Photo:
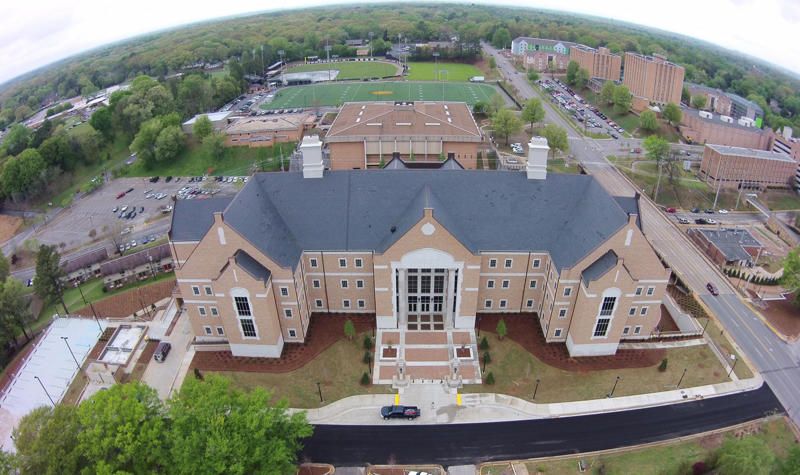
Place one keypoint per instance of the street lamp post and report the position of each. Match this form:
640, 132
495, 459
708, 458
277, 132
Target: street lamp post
616, 381
66, 342
91, 305
536, 388
735, 359
681, 380
319, 390
45, 390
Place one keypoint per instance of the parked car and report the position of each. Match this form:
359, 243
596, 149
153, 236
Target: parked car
712, 288
115, 209
162, 350
701, 221
683, 220
709, 211
722, 211
129, 190
670, 210
154, 179
695, 210
394, 412
121, 195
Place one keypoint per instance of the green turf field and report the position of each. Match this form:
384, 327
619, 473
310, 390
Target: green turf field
335, 94
455, 71
351, 69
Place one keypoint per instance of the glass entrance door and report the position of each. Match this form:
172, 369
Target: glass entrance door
426, 290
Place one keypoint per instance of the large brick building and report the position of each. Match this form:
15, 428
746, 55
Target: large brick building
600, 62
542, 54
747, 168
652, 80
364, 134
266, 131
727, 103
703, 127
425, 251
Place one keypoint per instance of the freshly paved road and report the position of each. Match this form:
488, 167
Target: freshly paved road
775, 359
454, 444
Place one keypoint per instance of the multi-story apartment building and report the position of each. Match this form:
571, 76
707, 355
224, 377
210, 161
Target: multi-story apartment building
652, 80
600, 62
542, 54
747, 168
703, 127
425, 251
727, 103
364, 134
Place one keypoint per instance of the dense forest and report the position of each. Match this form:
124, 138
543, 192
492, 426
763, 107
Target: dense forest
257, 39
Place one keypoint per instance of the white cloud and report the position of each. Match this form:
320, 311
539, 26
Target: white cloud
40, 32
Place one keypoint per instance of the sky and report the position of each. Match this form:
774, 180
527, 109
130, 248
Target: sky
37, 33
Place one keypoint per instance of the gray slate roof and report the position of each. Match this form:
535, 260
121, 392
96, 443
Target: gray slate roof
630, 204
731, 242
191, 219
598, 268
283, 214
251, 266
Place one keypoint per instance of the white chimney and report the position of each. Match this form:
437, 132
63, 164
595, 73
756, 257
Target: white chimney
537, 158
311, 150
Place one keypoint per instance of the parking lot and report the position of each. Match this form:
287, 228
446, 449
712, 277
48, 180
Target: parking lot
582, 112
100, 214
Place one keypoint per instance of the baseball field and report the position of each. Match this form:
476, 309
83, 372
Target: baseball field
335, 94
351, 69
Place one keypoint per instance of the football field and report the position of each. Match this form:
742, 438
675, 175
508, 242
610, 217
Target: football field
446, 71
336, 94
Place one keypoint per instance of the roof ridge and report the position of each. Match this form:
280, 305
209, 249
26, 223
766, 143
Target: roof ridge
354, 124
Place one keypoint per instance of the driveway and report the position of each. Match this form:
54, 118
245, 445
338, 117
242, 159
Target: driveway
163, 376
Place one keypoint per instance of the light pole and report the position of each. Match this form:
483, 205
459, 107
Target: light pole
616, 381
705, 326
66, 342
91, 305
681, 380
436, 65
536, 388
319, 390
735, 359
45, 390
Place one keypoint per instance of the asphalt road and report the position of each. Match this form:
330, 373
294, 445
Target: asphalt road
775, 359
456, 444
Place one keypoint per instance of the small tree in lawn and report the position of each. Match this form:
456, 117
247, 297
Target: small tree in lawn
533, 111
663, 366
506, 123
367, 342
672, 113
349, 329
484, 345
501, 329
365, 379
489, 378
648, 121
367, 357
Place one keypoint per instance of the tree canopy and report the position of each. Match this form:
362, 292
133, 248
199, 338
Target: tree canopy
791, 274
672, 113
556, 138
748, 455
533, 111
622, 99
506, 123
648, 121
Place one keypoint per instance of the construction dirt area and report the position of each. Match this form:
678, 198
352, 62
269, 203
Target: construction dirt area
9, 225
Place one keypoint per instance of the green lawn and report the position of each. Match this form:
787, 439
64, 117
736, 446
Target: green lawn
338, 93
351, 69
558, 166
454, 71
668, 458
629, 121
516, 370
194, 160
93, 292
338, 369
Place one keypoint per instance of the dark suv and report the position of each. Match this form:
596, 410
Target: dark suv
408, 412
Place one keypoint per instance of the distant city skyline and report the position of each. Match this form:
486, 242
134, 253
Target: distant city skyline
29, 40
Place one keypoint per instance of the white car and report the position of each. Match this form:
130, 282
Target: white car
723, 211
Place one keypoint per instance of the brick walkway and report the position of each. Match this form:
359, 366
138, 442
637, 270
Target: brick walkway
524, 329
325, 330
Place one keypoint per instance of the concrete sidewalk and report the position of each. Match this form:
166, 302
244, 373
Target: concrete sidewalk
440, 407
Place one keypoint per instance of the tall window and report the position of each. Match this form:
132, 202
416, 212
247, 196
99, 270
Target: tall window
601, 327
243, 306
492, 263
248, 328
359, 262
508, 263
608, 306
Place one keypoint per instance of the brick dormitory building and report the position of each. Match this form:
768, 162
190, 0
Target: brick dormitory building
424, 251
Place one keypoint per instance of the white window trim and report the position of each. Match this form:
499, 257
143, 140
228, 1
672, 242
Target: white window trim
284, 291
346, 303
505, 284
361, 303
287, 313
239, 292
359, 262
312, 262
290, 331
315, 283
220, 330
508, 263
208, 330
567, 291
343, 283
562, 313
643, 311
535, 283
201, 310
632, 311
651, 291
557, 332
637, 330
214, 311
503, 303
318, 303
360, 283
493, 263
487, 303
490, 283
342, 259
196, 290
536, 263
529, 303
208, 290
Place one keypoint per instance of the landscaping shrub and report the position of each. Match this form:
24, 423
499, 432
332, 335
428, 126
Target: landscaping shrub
365, 380
367, 357
487, 358
489, 378
349, 329
663, 366
501, 329
484, 345
367, 342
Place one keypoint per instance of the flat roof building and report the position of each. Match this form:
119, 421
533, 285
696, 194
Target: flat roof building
652, 80
524, 44
746, 168
265, 131
600, 62
425, 252
219, 120
707, 127
727, 246
365, 134
726, 103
